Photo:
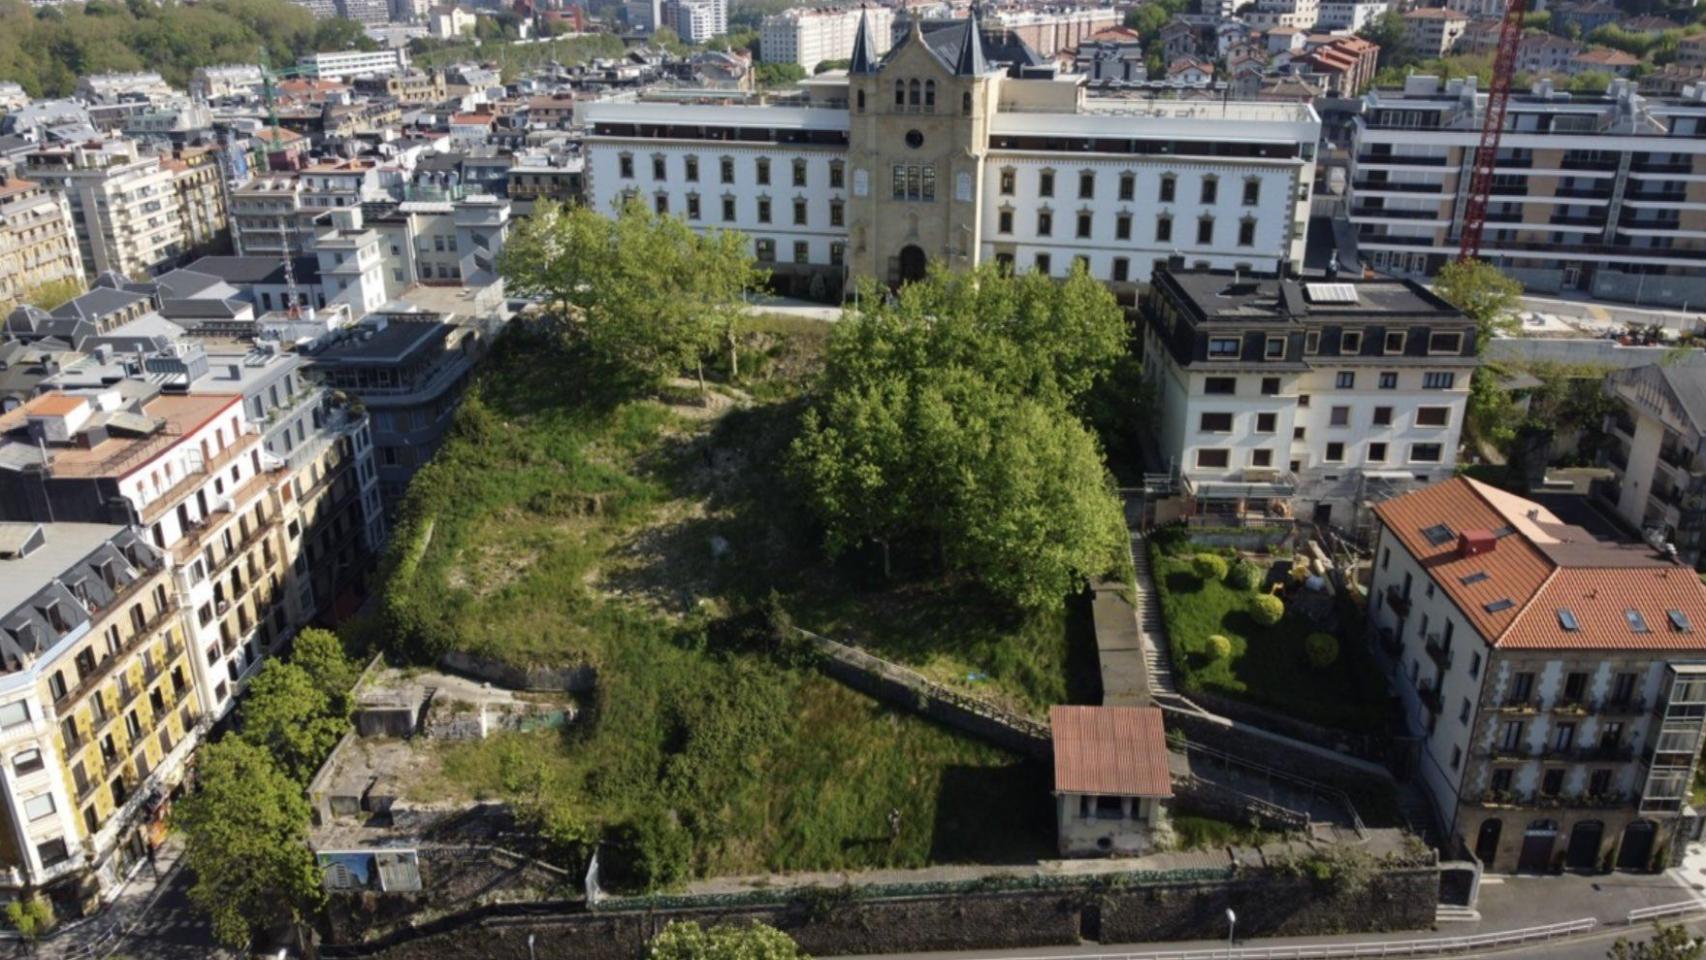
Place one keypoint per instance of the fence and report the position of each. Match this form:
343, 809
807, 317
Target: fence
1433, 946
1663, 911
1316, 788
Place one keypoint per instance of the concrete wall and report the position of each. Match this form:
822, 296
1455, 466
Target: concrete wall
510, 676
1268, 904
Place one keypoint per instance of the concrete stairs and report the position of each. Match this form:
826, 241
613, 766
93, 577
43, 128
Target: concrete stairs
1452, 913
1156, 659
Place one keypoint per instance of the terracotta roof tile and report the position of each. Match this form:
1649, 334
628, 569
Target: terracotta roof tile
1110, 751
1542, 565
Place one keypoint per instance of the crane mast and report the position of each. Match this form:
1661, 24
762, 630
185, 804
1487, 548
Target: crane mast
1492, 129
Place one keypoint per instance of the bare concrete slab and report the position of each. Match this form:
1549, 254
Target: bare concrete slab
1119, 646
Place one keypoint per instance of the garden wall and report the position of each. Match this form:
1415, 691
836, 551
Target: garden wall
452, 877
1302, 759
1371, 748
897, 685
1267, 905
512, 677
1241, 538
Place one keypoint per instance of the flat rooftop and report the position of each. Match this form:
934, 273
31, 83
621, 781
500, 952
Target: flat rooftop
120, 456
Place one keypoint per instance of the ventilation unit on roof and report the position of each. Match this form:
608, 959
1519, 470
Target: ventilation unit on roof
1473, 543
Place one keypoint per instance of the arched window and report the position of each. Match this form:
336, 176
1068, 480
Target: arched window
930, 95
900, 93
861, 101
912, 97
965, 103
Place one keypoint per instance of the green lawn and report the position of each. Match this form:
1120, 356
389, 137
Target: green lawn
553, 528
1267, 666
1193, 832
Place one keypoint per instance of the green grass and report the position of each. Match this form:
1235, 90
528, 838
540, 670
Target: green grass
1267, 666
556, 527
1193, 832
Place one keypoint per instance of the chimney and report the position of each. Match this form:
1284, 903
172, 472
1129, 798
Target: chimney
1473, 543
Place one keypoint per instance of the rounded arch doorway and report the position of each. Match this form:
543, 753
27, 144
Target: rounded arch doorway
913, 263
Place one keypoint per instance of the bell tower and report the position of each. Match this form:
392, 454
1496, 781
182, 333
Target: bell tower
919, 132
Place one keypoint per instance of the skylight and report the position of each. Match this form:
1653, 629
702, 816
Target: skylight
1503, 603
1475, 577
1567, 620
1637, 622
1679, 621
1439, 534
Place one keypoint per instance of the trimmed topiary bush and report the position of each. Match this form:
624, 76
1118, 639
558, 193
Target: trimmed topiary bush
1322, 649
1219, 647
1208, 566
1266, 609
1244, 575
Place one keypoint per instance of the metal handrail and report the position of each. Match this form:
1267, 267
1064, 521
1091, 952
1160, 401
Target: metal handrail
1389, 948
1640, 914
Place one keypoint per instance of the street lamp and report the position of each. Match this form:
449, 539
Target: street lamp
1231, 930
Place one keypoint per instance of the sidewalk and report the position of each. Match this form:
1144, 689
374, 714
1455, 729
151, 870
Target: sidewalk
96, 937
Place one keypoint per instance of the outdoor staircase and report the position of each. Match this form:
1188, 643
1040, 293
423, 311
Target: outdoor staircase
1156, 659
1453, 913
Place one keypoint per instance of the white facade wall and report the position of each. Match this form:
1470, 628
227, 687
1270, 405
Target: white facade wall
606, 187
38, 732
1272, 214
809, 37
1187, 402
1403, 433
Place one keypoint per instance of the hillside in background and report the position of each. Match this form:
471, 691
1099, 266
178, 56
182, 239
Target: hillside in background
47, 50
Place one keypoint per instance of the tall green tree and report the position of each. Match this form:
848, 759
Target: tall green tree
321, 655
946, 425
686, 940
246, 842
643, 292
1490, 299
290, 716
1387, 32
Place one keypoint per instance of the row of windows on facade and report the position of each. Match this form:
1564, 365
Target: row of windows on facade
1445, 343
1342, 380
1340, 416
763, 208
1220, 458
1208, 188
1085, 227
726, 170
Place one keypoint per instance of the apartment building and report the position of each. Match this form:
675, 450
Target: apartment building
340, 183
957, 148
1433, 31
1603, 195
442, 242
1658, 482
269, 218
1049, 31
414, 87
351, 64
198, 185
98, 711
102, 88
697, 21
1554, 682
1288, 14
226, 80
37, 245
1352, 15
1281, 398
808, 36
123, 203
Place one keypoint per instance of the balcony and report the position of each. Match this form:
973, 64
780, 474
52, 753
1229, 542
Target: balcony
1677, 456
1438, 652
1626, 707
1396, 214
1519, 704
1563, 221
1583, 193
104, 669
1571, 707
1586, 163
1397, 601
1387, 158
1393, 186
1390, 642
1433, 698
1605, 753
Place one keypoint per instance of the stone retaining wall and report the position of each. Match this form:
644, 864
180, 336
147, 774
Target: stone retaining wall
553, 679
1268, 904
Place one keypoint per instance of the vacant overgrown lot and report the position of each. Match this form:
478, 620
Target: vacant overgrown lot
639, 537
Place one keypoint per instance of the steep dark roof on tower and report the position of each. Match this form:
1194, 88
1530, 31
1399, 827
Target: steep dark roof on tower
970, 62
862, 62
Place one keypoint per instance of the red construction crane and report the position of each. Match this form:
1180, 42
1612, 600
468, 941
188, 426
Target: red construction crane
1492, 128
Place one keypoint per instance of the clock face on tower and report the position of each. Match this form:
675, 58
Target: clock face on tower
914, 139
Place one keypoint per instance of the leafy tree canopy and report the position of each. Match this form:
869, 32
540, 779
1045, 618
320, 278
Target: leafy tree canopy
246, 841
290, 716
1672, 942
1483, 293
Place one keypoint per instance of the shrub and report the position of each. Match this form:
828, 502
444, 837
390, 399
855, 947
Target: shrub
1244, 575
1172, 539
1208, 566
31, 918
1218, 647
1266, 609
1322, 649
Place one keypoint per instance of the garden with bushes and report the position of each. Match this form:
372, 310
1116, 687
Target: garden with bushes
1233, 632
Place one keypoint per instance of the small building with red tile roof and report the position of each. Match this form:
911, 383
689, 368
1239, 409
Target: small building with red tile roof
1111, 775
1552, 673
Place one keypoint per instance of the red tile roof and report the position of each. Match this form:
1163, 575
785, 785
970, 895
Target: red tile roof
1541, 565
1110, 751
